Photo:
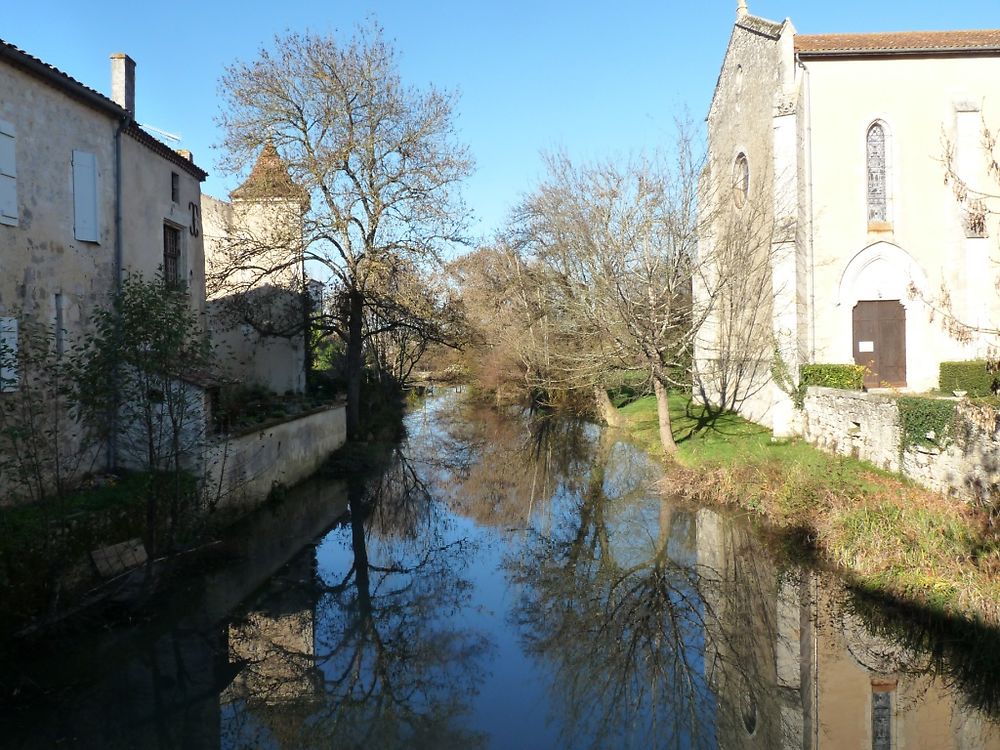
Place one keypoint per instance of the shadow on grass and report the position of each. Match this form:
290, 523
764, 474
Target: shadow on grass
705, 419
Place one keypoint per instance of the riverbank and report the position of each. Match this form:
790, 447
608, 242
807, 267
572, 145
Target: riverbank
886, 534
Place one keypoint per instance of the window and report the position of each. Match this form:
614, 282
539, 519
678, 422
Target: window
877, 195
175, 187
171, 255
8, 354
8, 175
741, 180
882, 720
85, 225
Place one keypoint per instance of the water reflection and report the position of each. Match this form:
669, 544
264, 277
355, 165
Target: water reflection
663, 626
367, 659
513, 582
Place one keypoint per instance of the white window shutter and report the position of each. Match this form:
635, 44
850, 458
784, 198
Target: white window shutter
85, 196
8, 174
8, 354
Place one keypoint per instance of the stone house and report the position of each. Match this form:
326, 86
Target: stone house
824, 196
86, 196
258, 289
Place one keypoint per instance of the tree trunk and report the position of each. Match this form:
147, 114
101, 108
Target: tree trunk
663, 416
666, 524
354, 367
606, 410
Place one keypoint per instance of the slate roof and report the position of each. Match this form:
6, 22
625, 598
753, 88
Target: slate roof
95, 99
269, 178
899, 42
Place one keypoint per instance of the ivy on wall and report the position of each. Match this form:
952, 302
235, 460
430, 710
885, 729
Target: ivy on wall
926, 422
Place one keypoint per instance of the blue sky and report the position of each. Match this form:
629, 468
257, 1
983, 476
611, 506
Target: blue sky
593, 78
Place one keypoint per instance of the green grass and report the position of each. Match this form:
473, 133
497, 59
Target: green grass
43, 545
886, 533
116, 491
706, 439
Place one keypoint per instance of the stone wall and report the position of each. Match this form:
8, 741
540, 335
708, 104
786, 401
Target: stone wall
853, 423
242, 471
866, 426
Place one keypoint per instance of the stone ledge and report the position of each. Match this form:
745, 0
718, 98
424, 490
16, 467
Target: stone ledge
819, 390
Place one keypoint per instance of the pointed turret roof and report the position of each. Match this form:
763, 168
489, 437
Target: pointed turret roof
269, 178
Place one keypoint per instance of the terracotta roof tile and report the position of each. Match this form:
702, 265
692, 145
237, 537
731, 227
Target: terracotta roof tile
269, 178
899, 41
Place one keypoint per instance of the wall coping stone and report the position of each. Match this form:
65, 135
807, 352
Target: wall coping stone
819, 390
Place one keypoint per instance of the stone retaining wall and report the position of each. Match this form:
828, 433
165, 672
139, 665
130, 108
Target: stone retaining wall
866, 426
853, 423
242, 471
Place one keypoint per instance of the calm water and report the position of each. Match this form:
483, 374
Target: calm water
507, 583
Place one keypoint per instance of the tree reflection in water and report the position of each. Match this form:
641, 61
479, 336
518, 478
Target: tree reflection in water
390, 665
603, 601
530, 560
652, 623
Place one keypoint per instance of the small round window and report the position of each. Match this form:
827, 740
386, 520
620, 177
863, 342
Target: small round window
741, 180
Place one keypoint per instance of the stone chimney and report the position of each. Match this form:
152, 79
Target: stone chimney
123, 81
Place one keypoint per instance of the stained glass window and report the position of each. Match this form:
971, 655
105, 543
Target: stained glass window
881, 721
876, 174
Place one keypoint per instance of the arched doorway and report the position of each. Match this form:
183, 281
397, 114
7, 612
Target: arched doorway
880, 342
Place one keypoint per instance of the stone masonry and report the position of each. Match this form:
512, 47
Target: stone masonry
866, 426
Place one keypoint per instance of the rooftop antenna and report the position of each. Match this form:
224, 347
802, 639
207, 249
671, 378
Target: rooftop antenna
163, 133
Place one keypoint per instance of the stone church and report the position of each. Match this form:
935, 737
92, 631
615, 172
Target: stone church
835, 224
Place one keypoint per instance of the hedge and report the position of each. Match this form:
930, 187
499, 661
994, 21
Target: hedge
845, 377
971, 376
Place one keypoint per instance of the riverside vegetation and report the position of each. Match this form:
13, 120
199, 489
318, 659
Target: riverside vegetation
884, 533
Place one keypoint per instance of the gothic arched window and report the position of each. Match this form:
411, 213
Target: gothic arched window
876, 173
741, 180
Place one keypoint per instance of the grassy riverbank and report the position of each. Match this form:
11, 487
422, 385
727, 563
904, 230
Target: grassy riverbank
887, 534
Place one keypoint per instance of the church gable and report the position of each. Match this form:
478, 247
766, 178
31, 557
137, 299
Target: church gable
753, 49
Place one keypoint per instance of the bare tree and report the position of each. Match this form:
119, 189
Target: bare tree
378, 158
616, 245
737, 353
407, 312
512, 333
978, 195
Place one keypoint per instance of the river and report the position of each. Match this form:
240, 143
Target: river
507, 582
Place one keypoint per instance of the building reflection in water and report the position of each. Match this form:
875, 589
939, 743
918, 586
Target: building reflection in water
273, 647
816, 672
650, 623
351, 649
662, 625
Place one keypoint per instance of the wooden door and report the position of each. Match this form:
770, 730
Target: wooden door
880, 342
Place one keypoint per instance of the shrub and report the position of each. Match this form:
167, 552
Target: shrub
845, 377
971, 376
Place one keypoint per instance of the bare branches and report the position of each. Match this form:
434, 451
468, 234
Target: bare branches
612, 249
976, 187
378, 159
